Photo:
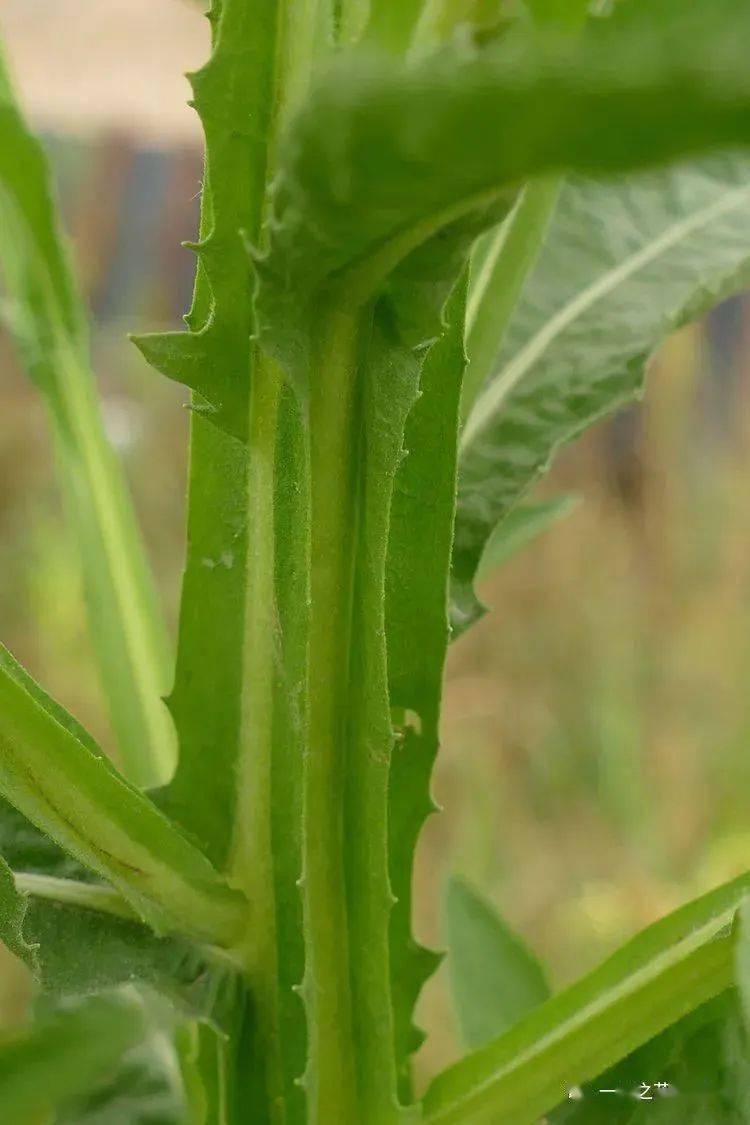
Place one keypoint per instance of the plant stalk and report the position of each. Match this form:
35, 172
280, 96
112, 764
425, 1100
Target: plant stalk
252, 865
331, 1085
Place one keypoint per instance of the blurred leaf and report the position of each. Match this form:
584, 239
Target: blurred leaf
520, 527
146, 1090
383, 157
657, 978
47, 319
63, 1055
495, 979
67, 788
625, 263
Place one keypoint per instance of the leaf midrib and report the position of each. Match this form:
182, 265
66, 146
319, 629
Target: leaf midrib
492, 398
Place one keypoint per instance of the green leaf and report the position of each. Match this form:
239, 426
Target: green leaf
664, 973
47, 319
519, 528
66, 787
500, 265
234, 97
418, 566
495, 979
146, 1089
382, 157
62, 1056
625, 263
694, 1073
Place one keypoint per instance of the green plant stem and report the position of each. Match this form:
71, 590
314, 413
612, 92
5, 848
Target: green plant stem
71, 892
509, 256
252, 865
126, 625
331, 1076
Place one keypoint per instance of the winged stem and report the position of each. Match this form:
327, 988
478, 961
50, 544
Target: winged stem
331, 1092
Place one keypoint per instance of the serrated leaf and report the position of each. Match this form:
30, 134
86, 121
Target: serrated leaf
382, 157
234, 97
658, 977
47, 319
63, 1055
495, 979
66, 787
625, 263
419, 548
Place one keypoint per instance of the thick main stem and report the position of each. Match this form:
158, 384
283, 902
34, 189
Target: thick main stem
331, 1077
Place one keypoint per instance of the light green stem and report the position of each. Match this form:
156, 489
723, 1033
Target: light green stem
497, 283
331, 1074
252, 866
71, 892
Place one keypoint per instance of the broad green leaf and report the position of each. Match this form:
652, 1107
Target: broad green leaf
520, 527
625, 263
52, 909
64, 786
495, 979
419, 547
47, 320
382, 157
664, 973
64, 1055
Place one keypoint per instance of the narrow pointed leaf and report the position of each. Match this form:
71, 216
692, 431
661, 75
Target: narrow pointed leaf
654, 980
495, 979
70, 791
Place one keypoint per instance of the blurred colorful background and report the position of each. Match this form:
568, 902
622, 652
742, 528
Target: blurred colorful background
595, 768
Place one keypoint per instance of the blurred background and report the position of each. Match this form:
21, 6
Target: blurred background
594, 771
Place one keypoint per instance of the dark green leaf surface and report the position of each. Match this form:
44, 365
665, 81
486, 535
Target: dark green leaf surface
625, 263
663, 974
495, 979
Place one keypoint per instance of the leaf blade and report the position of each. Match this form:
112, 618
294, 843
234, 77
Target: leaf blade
654, 980
651, 252
495, 979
